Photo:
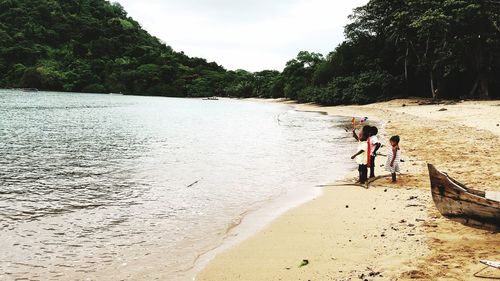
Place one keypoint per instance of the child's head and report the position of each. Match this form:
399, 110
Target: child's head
365, 133
373, 131
394, 140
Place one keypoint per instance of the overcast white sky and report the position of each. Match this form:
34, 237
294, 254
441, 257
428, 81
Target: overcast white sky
252, 35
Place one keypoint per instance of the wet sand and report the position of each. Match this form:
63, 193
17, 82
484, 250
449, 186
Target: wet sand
389, 231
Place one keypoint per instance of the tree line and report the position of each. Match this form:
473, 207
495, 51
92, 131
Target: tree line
445, 49
393, 48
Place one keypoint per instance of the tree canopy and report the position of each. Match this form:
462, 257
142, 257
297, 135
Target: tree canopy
439, 49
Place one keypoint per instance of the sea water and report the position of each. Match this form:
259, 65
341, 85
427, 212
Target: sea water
113, 187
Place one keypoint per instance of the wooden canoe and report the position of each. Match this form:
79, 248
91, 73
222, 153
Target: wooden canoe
460, 203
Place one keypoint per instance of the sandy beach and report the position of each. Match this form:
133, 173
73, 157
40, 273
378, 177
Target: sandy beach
388, 231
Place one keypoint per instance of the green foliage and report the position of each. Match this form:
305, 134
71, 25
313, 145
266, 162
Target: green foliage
446, 49
435, 41
94, 88
93, 46
438, 48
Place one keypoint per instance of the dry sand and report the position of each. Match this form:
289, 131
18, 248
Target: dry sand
389, 231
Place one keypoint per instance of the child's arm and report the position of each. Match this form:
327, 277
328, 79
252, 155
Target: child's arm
377, 146
394, 151
358, 153
354, 135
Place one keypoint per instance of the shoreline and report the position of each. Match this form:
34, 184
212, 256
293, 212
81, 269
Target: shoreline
248, 224
261, 257
259, 217
336, 187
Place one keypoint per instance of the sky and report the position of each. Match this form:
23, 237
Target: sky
253, 34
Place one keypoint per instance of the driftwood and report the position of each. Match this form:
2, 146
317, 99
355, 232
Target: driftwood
194, 183
341, 184
460, 203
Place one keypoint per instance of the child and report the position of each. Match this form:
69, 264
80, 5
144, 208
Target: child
392, 164
361, 157
366, 130
375, 145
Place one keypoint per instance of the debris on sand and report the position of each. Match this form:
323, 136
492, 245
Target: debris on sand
304, 262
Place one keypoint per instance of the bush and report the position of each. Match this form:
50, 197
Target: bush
309, 94
94, 88
31, 78
371, 86
164, 90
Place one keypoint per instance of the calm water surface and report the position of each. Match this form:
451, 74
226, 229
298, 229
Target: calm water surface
113, 187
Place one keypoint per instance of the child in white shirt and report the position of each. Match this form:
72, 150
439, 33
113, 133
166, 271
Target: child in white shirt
393, 157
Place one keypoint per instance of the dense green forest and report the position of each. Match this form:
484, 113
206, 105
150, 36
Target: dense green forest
393, 48
92, 46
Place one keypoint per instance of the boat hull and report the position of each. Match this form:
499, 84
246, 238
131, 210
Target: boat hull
457, 202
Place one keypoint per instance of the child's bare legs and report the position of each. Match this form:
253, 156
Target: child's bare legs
393, 177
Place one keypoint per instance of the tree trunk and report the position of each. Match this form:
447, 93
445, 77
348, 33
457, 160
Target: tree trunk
483, 87
433, 91
407, 85
482, 70
406, 64
473, 90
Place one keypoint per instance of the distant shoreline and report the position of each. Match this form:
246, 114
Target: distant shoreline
416, 99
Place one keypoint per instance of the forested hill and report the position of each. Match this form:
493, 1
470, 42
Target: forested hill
393, 48
93, 46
